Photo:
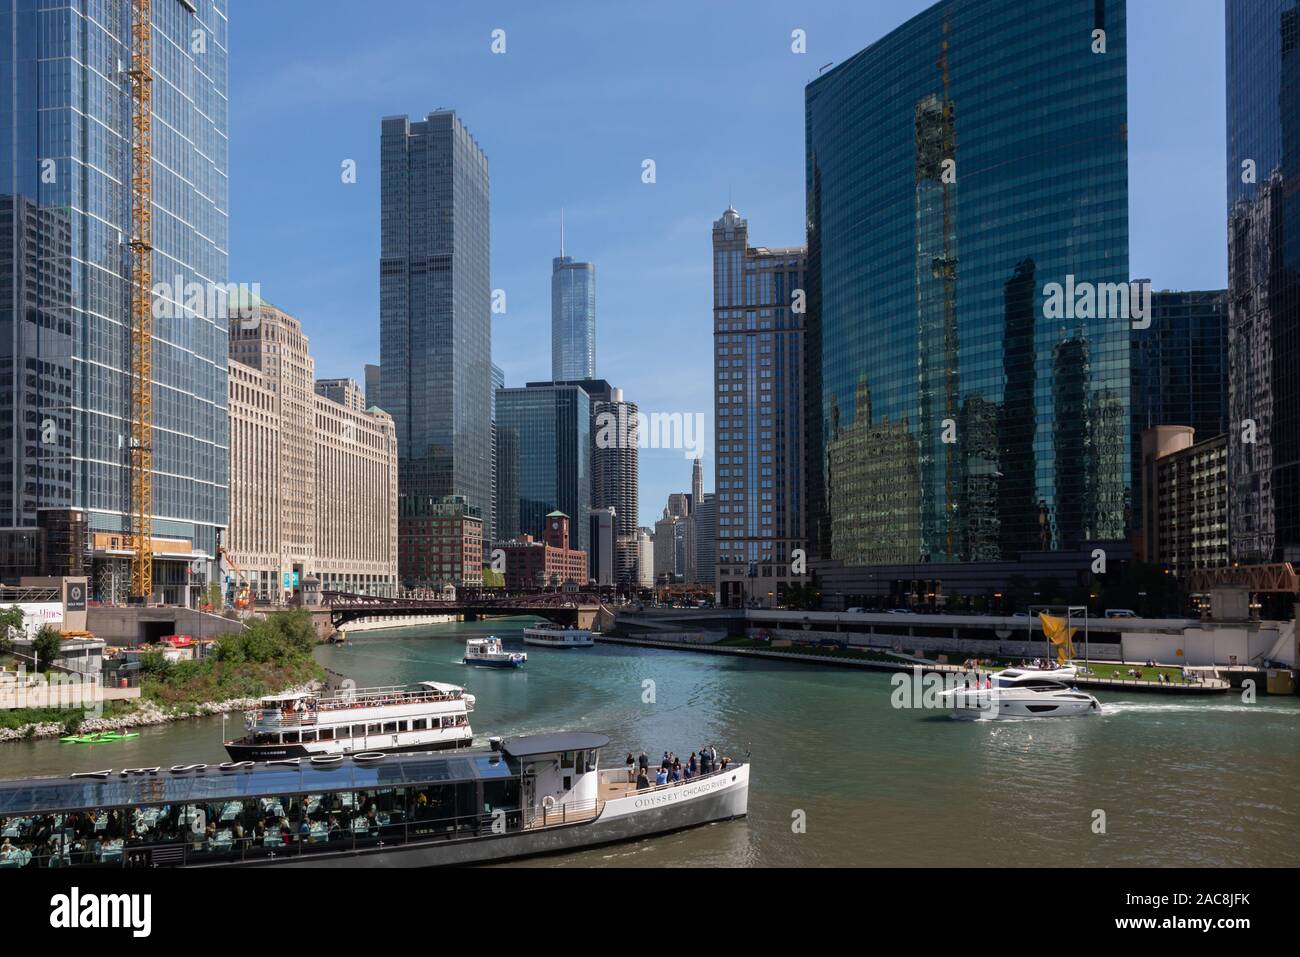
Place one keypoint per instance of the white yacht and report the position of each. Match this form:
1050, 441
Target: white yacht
557, 636
1021, 693
427, 716
489, 653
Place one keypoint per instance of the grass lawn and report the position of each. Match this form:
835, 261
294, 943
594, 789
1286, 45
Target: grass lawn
860, 654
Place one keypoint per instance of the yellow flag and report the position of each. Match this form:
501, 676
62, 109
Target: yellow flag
1060, 635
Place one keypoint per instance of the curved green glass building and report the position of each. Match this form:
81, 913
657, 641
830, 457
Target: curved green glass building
969, 310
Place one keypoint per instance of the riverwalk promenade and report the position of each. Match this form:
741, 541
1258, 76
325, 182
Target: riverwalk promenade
883, 661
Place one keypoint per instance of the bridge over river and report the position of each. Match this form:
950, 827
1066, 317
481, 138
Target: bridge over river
581, 609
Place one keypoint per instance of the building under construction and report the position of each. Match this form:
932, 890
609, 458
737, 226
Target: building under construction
114, 210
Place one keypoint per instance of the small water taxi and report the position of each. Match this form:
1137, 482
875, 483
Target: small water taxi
489, 653
427, 716
517, 797
558, 636
1021, 693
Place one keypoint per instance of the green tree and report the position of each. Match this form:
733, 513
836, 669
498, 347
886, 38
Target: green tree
46, 646
212, 596
11, 626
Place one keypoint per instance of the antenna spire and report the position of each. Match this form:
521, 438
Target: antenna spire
561, 232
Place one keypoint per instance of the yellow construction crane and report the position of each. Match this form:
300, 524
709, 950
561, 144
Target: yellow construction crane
141, 80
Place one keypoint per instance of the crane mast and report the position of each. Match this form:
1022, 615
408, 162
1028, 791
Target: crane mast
141, 81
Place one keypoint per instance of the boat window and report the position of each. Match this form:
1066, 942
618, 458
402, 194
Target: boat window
405, 725
372, 729
390, 727
291, 737
420, 724
327, 734
593, 760
309, 736
380, 815
566, 759
358, 731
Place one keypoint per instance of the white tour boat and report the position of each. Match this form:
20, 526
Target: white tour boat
1022, 693
557, 636
427, 716
489, 653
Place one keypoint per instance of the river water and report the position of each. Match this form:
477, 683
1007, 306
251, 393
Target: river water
840, 777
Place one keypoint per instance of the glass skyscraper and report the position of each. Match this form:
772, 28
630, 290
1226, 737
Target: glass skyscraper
435, 310
544, 463
1179, 369
1263, 100
65, 325
956, 170
758, 338
573, 319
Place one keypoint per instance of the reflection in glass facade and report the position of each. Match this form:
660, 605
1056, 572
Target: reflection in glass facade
544, 449
1179, 368
573, 320
435, 308
65, 308
1263, 99
758, 368
955, 169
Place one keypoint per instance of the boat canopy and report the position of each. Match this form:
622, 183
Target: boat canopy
442, 686
197, 783
287, 696
533, 745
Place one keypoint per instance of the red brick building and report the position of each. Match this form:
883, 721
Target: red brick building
440, 542
547, 563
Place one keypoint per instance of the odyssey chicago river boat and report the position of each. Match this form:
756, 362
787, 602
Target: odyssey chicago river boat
424, 717
536, 794
557, 636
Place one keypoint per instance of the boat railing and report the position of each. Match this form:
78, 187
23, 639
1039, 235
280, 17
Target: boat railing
273, 717
564, 812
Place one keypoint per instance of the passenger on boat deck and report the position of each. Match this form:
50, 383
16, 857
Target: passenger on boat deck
631, 768
662, 776
693, 768
677, 771
642, 782
666, 763
644, 762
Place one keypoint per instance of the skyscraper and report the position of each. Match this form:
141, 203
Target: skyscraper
544, 433
435, 309
573, 318
928, 330
1179, 368
1263, 100
65, 225
758, 336
615, 467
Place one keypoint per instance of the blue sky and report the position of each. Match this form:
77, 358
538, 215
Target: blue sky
584, 93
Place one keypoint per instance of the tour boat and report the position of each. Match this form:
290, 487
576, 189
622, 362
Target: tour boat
557, 636
524, 796
488, 653
424, 717
1021, 693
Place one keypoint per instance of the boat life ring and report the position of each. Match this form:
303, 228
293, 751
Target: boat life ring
369, 756
326, 758
548, 801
